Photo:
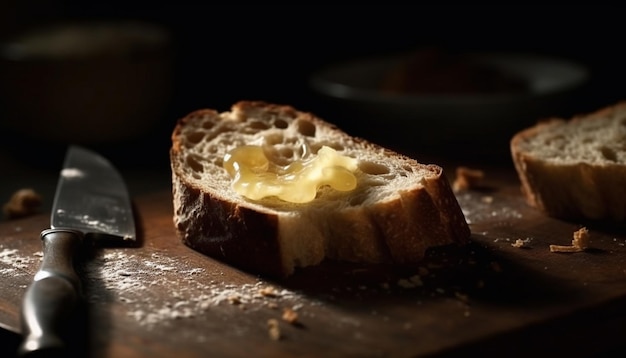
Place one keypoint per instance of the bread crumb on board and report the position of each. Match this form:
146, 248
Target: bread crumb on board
579, 243
23, 202
467, 178
290, 316
273, 325
521, 243
268, 291
273, 329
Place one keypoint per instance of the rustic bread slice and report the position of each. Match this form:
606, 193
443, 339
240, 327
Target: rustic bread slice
576, 168
399, 209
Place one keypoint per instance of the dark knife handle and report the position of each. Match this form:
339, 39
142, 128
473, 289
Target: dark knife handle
53, 296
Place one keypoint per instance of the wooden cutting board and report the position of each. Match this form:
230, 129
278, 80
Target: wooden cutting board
162, 298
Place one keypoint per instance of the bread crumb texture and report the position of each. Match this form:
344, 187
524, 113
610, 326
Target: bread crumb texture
597, 139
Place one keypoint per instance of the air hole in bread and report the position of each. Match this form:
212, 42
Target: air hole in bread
406, 169
258, 125
195, 137
373, 168
194, 164
305, 128
608, 154
286, 152
280, 123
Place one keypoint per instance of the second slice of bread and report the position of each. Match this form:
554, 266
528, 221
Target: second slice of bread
399, 209
575, 168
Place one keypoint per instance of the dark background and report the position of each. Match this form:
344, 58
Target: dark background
225, 52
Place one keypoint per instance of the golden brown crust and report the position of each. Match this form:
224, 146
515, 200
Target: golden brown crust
260, 240
223, 230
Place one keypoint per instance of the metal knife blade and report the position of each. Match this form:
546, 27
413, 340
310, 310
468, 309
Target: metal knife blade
91, 197
91, 202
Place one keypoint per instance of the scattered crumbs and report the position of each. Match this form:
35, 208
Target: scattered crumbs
23, 202
467, 178
234, 300
479, 207
290, 315
521, 243
268, 291
134, 281
15, 261
411, 282
273, 329
580, 242
518, 243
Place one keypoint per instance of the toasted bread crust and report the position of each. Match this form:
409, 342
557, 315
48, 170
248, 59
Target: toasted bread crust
275, 239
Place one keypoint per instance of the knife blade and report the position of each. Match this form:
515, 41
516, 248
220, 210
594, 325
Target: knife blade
91, 203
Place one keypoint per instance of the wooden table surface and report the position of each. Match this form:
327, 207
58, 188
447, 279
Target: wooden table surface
162, 299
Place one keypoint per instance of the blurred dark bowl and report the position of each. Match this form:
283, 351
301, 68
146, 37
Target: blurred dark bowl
475, 101
85, 82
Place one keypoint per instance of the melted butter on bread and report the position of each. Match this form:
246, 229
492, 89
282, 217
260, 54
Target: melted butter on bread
255, 176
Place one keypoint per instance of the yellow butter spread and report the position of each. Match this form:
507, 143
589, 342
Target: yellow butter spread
256, 177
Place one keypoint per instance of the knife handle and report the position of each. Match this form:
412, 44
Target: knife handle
51, 299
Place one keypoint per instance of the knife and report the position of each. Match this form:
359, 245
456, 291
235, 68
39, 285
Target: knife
91, 203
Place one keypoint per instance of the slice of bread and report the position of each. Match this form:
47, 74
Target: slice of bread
575, 168
399, 209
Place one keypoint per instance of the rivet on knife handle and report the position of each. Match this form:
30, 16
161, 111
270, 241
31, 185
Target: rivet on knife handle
51, 299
